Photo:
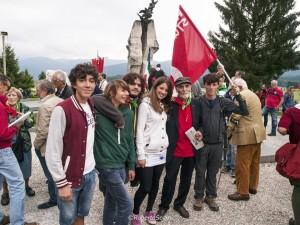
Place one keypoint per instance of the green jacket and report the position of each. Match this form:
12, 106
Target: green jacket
113, 150
28, 123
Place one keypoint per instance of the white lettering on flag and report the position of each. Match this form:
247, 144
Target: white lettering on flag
181, 24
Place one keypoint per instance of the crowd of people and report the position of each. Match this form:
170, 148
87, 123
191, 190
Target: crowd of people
126, 133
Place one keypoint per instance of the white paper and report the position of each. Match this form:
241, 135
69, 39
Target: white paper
190, 133
20, 119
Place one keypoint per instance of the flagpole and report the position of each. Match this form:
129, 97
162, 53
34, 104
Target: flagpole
226, 74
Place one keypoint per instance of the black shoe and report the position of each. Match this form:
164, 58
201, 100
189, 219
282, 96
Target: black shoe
5, 220
160, 214
134, 183
182, 211
46, 205
252, 191
5, 199
291, 221
271, 134
30, 192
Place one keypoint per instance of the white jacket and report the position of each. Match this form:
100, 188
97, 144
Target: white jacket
151, 136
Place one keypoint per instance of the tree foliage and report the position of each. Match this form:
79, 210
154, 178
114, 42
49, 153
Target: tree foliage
19, 79
42, 76
259, 37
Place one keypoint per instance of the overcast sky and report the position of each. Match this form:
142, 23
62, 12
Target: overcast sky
78, 28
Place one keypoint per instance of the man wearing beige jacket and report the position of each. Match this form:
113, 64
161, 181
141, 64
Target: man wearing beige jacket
248, 136
45, 91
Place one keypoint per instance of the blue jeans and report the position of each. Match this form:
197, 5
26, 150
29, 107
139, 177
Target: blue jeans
51, 184
230, 156
9, 168
117, 203
273, 113
80, 204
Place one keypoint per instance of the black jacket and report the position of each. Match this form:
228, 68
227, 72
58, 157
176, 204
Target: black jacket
66, 93
172, 124
213, 116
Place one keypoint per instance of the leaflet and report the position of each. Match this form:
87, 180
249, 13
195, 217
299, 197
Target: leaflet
190, 133
20, 119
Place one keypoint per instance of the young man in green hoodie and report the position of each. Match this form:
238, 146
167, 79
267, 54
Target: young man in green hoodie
113, 148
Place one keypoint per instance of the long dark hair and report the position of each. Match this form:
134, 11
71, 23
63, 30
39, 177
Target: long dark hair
155, 103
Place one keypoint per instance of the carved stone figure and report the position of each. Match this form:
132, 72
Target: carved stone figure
142, 43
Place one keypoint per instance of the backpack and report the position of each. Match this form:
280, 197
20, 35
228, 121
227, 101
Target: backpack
288, 161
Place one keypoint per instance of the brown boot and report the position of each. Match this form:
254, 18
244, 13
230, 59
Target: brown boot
210, 201
198, 204
32, 223
239, 197
5, 220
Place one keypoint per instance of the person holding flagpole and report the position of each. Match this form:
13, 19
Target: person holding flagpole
209, 158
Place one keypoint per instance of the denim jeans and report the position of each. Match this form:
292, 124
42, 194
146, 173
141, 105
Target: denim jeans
117, 203
1, 216
51, 184
10, 169
230, 156
273, 113
80, 204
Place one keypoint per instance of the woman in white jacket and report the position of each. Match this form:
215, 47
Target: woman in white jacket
152, 142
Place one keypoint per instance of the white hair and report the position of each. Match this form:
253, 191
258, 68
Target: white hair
61, 75
241, 83
274, 82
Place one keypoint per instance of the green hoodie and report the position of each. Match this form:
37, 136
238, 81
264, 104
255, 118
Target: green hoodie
114, 147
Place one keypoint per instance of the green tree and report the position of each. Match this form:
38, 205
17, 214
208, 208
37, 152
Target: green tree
42, 75
259, 37
19, 79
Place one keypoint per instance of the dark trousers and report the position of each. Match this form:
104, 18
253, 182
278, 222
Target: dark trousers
296, 204
149, 184
208, 163
51, 185
172, 168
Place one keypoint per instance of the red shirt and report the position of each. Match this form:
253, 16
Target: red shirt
184, 148
291, 121
273, 98
6, 133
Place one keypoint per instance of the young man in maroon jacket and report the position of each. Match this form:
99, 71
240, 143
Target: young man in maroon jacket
9, 167
69, 149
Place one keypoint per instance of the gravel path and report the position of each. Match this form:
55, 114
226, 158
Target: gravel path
271, 205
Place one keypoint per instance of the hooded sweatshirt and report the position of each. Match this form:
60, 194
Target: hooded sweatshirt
113, 146
6, 133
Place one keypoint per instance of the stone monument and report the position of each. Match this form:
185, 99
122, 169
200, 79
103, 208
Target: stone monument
142, 43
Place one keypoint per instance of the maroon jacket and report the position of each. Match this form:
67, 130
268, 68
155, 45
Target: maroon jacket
6, 133
74, 141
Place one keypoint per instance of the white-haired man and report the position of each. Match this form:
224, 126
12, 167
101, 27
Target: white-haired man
248, 136
59, 81
274, 99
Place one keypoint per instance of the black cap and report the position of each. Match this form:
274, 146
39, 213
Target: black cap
183, 80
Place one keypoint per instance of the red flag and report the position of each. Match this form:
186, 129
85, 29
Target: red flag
99, 64
191, 54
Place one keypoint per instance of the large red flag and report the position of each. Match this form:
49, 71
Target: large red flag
99, 64
191, 54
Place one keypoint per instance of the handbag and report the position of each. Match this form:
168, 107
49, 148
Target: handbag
288, 161
18, 147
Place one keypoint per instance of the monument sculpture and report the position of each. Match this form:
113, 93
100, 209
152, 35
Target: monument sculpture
142, 43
